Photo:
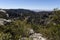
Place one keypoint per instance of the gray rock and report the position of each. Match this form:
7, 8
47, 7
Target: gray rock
4, 21
37, 36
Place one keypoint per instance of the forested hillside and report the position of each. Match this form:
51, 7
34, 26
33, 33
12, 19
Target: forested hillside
46, 23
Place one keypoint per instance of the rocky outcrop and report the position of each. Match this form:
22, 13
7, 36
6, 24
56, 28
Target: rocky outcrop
37, 36
4, 21
3, 17
3, 14
34, 36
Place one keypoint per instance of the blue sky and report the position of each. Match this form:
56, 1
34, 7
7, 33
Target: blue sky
30, 4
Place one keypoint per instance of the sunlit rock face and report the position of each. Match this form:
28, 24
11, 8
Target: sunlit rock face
4, 21
34, 36
37, 36
2, 11
31, 31
3, 14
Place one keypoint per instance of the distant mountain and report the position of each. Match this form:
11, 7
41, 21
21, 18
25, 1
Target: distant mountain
31, 16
